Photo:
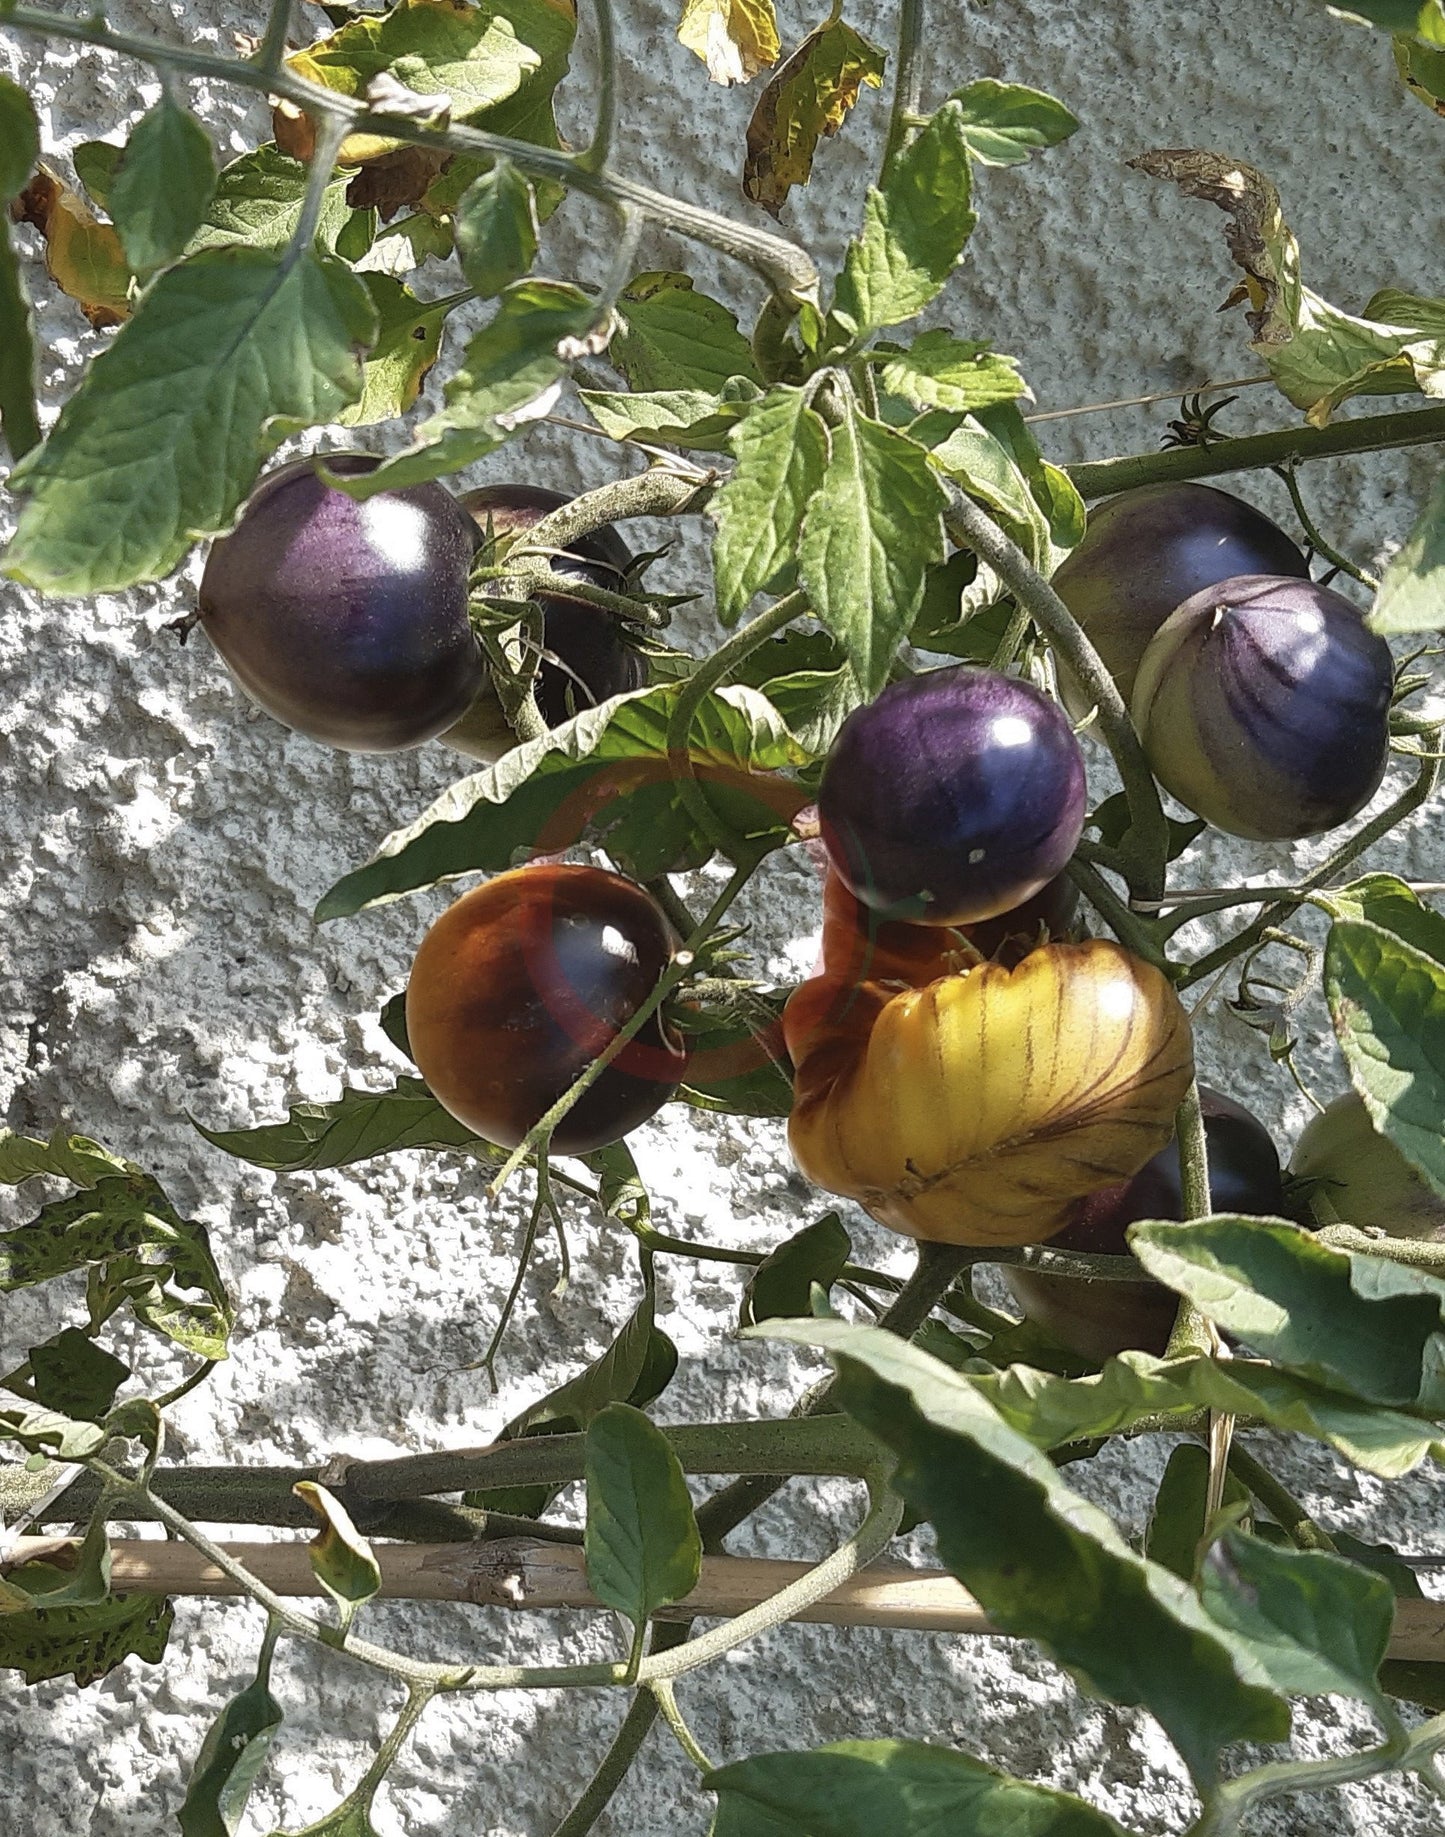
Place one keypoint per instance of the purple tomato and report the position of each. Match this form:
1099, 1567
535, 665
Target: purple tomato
1146, 551
953, 797
347, 621
1263, 703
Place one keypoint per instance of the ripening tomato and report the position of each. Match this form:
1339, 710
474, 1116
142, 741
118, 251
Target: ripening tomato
520, 985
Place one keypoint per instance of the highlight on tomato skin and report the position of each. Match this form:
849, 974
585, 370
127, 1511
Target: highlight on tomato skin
1263, 703
519, 986
954, 796
347, 621
1146, 551
1100, 1318
980, 1107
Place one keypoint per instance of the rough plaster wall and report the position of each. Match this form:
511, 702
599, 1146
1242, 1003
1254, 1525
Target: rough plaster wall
163, 847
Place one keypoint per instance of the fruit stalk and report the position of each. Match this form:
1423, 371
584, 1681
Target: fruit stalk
1147, 843
658, 492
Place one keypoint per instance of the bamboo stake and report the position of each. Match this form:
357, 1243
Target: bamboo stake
522, 1574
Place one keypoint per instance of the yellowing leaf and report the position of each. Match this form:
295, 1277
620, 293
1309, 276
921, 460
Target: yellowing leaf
734, 38
84, 257
807, 97
977, 1108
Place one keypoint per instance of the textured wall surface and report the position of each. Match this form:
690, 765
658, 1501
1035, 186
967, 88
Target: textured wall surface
161, 848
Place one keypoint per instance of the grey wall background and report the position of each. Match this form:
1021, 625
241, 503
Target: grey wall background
161, 847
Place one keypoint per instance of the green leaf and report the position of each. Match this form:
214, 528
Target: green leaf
815, 703
341, 1558
1422, 69
65, 1157
1389, 902
914, 228
73, 1375
226, 355
1412, 594
1112, 819
870, 534
1043, 1562
85, 1643
737, 1069
352, 1818
1177, 1522
606, 772
1055, 1410
231, 1757
1005, 123
781, 1286
48, 1432
642, 1546
897, 1788
138, 1251
940, 371
258, 203
781, 451
636, 1368
508, 374
405, 350
19, 139
673, 337
1387, 1003
673, 417
496, 229
1316, 1624
95, 162
808, 96
160, 191
352, 1127
993, 456
1424, 16
1356, 1323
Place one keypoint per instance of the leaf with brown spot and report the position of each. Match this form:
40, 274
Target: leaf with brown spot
84, 257
806, 97
395, 180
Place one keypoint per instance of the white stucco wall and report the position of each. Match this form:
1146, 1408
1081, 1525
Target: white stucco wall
162, 848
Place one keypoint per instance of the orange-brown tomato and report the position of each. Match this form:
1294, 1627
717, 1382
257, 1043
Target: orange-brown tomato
522, 983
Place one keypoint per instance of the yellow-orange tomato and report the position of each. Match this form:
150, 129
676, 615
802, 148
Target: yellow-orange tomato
522, 983
977, 1108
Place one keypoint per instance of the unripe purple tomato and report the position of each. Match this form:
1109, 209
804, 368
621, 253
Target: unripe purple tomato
954, 796
594, 659
347, 621
1146, 551
1264, 705
1102, 1318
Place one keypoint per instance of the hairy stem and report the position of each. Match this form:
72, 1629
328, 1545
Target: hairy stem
594, 155
1147, 843
659, 492
907, 79
1279, 1502
671, 1714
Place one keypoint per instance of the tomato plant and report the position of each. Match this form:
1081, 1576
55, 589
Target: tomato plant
920, 677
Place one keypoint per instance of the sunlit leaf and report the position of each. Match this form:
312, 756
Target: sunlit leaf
350, 1128
734, 38
781, 451
64, 1157
232, 1755
807, 96
84, 258
341, 1558
405, 350
496, 229
673, 417
673, 337
228, 353
258, 202
940, 371
85, 1643
1412, 594
1005, 123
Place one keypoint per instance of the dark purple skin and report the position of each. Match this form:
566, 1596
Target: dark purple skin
593, 658
348, 622
1100, 1319
954, 796
1145, 551
1264, 705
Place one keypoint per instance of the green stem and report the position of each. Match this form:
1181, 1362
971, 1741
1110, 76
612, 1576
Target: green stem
271, 52
330, 132
1252, 452
1279, 1502
662, 1690
536, 1139
1193, 1157
907, 80
1313, 536
594, 156
788, 269
1409, 800
1132, 931
1147, 843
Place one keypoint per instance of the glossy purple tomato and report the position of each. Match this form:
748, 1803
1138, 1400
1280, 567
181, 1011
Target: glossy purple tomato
347, 621
1145, 551
1263, 704
593, 656
954, 796
1099, 1318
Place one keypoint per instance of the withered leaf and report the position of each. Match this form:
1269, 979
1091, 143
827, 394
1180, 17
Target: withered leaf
807, 97
84, 257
